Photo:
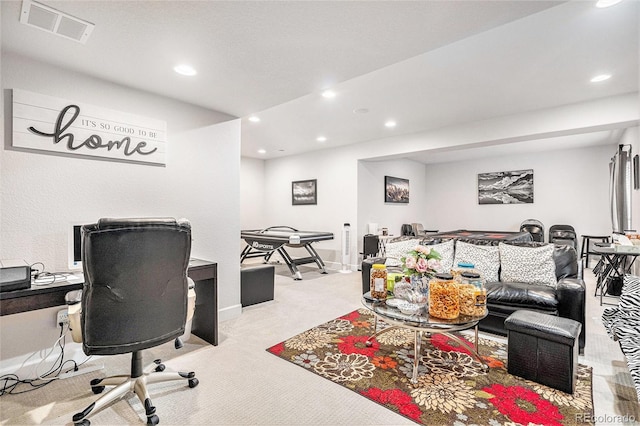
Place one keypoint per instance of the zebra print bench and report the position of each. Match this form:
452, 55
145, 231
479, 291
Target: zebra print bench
622, 323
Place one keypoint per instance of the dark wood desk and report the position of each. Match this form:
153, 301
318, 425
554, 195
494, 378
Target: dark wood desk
202, 272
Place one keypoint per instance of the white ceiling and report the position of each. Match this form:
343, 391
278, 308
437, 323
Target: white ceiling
426, 64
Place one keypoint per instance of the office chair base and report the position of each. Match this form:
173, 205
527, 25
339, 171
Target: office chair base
153, 373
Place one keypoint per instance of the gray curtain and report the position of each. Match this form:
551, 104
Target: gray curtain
620, 189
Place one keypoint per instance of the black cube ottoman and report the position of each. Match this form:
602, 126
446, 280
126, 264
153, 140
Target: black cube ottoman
256, 284
543, 348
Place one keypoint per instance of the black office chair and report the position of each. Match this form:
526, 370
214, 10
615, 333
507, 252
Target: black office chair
406, 229
370, 246
135, 296
563, 234
535, 228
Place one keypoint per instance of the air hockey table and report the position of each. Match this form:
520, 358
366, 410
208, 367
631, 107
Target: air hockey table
265, 242
483, 237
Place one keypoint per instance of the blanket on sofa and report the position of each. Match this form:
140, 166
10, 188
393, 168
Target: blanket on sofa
622, 323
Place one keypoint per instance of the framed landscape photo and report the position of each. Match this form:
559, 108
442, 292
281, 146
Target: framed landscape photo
396, 190
513, 187
304, 192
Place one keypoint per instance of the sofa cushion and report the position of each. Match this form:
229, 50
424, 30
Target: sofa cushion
566, 258
530, 265
395, 250
486, 259
521, 295
446, 251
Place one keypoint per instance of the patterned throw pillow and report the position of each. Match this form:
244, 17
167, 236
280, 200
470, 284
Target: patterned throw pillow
486, 259
394, 251
446, 252
531, 265
630, 297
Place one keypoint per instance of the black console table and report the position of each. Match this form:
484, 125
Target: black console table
202, 272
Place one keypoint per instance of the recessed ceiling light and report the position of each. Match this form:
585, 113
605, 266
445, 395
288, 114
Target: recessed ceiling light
390, 124
607, 3
185, 69
262, 151
601, 77
254, 119
321, 139
328, 94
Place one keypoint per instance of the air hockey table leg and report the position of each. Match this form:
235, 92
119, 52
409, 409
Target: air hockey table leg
288, 260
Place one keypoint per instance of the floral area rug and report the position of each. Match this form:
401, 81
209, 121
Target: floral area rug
452, 388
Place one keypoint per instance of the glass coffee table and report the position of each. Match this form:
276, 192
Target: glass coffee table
421, 323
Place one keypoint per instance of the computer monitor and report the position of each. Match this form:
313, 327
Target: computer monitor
75, 246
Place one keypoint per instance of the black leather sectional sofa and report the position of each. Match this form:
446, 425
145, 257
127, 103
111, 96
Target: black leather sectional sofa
566, 300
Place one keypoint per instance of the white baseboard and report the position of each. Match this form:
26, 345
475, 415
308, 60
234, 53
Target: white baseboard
72, 351
229, 312
335, 266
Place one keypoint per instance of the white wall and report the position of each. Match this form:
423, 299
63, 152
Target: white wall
565, 182
336, 176
252, 194
371, 205
42, 193
570, 187
632, 137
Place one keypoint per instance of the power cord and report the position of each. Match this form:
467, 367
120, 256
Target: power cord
9, 383
39, 276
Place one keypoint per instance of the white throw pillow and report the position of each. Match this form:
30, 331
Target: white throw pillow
446, 252
395, 251
531, 265
485, 259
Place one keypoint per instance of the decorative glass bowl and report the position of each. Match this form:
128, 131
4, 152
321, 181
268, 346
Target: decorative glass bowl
409, 308
413, 302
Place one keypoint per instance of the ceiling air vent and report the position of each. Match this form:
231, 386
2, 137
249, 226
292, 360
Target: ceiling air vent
53, 21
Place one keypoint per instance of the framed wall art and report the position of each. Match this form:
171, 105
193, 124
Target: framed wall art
513, 187
304, 192
396, 190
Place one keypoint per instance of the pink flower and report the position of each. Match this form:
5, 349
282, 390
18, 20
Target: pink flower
434, 264
410, 262
423, 250
421, 265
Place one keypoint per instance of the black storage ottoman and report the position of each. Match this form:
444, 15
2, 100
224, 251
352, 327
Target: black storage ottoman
543, 348
256, 284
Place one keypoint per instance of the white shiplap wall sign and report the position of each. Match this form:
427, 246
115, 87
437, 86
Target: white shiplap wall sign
59, 125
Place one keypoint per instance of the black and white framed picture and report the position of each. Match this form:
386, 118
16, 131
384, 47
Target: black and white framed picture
513, 187
304, 192
396, 190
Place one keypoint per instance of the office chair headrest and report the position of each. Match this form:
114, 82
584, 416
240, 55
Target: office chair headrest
112, 223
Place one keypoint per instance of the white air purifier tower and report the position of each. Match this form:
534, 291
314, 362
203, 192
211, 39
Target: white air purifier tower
346, 248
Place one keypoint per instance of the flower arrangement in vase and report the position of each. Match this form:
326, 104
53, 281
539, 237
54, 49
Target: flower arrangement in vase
418, 266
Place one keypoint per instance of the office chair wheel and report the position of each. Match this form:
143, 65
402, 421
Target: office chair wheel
160, 368
84, 422
193, 382
153, 420
94, 386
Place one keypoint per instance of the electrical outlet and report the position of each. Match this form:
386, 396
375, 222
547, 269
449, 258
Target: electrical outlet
62, 317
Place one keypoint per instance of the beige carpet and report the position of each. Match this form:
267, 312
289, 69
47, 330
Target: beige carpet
242, 384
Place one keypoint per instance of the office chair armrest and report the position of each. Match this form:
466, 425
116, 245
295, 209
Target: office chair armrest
74, 310
191, 305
